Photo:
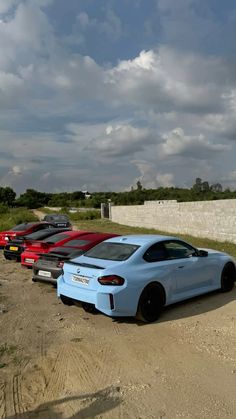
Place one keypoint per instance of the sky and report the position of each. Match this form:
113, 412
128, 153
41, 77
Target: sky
99, 94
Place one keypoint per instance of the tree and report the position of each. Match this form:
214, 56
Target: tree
139, 185
33, 199
216, 187
7, 196
205, 187
197, 187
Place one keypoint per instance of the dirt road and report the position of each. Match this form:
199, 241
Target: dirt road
60, 362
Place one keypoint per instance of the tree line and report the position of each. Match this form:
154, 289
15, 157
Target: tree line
200, 191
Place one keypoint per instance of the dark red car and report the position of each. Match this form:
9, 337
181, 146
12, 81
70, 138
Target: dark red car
22, 230
31, 253
49, 266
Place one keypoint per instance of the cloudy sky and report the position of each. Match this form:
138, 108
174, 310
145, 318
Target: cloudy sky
98, 94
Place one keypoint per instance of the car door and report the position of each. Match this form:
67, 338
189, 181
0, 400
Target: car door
191, 274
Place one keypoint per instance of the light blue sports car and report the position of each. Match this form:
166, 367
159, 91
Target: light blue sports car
137, 275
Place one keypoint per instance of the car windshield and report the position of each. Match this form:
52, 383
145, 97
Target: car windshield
56, 238
112, 251
22, 227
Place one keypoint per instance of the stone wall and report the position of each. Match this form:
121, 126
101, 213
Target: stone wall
211, 219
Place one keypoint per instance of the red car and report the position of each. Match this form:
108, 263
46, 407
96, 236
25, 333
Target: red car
22, 230
33, 252
49, 265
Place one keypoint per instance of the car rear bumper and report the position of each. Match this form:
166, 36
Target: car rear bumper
9, 254
53, 272
29, 260
107, 302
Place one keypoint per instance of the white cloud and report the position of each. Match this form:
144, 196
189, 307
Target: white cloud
16, 170
165, 179
177, 143
170, 79
156, 117
5, 5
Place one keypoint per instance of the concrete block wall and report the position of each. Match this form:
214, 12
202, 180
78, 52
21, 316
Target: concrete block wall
211, 219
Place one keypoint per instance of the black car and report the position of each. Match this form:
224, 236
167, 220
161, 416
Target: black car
49, 266
59, 220
14, 248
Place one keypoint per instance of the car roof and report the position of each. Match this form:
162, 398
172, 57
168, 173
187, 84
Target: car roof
96, 235
141, 239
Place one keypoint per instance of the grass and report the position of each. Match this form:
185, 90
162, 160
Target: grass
108, 226
85, 214
6, 349
15, 216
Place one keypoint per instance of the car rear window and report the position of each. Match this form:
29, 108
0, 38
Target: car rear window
56, 238
57, 218
112, 251
66, 251
22, 227
40, 234
77, 242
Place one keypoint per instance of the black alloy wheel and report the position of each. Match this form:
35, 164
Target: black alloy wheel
151, 303
228, 277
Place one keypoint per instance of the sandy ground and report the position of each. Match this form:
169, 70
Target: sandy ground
60, 362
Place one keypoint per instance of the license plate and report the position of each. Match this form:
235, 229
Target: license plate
61, 225
14, 248
45, 273
27, 260
81, 279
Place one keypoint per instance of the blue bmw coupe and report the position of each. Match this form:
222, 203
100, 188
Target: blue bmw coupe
137, 275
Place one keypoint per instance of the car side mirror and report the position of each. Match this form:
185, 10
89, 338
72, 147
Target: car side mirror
202, 253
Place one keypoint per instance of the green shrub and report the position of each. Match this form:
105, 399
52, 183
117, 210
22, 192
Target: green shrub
85, 215
15, 216
3, 209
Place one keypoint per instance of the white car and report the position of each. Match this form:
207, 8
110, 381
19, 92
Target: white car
138, 275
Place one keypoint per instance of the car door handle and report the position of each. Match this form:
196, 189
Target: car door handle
181, 266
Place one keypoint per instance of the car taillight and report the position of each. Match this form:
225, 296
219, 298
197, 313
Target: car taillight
111, 280
60, 264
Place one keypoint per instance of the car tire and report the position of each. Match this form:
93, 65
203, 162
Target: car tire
34, 279
66, 300
151, 303
228, 277
89, 308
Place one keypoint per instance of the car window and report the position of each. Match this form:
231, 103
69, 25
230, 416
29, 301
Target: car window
56, 217
178, 249
22, 227
112, 251
56, 238
37, 235
155, 253
77, 242
41, 234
